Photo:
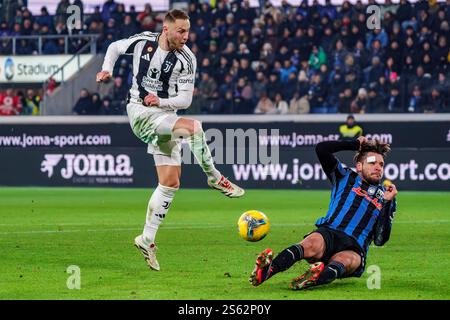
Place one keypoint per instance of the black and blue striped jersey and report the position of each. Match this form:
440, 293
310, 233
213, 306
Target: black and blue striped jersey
356, 207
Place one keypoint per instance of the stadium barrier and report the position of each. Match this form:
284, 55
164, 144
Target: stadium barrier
256, 151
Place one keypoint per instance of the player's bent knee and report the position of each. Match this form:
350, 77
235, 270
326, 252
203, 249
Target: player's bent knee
170, 183
313, 246
197, 127
351, 260
356, 261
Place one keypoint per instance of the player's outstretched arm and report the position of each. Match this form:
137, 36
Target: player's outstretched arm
325, 152
115, 49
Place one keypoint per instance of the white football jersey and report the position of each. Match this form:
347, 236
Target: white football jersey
168, 74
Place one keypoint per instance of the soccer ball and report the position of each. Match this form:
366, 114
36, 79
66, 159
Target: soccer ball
387, 183
253, 225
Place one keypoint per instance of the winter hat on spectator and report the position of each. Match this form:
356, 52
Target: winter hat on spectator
393, 76
362, 92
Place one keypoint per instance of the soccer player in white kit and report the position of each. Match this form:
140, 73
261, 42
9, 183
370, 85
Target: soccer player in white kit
163, 82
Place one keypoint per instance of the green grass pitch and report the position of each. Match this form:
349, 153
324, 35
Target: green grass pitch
43, 231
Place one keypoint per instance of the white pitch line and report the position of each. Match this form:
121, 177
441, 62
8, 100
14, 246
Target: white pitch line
190, 226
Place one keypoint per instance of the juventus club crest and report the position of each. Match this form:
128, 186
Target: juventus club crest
167, 65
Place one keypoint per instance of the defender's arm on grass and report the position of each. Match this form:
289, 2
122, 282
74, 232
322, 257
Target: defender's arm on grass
332, 167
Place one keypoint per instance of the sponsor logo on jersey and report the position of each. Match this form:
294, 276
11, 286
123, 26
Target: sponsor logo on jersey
146, 57
151, 84
184, 81
154, 73
363, 193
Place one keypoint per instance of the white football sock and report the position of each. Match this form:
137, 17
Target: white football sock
157, 209
201, 151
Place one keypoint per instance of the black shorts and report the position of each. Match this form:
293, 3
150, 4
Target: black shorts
337, 241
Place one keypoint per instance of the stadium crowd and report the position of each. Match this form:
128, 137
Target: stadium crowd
275, 60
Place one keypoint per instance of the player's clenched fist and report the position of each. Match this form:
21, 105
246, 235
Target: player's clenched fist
362, 140
102, 76
391, 192
151, 100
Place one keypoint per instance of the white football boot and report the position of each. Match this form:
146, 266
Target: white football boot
226, 187
149, 252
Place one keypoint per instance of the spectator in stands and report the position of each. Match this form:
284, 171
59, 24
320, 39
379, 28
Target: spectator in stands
111, 28
27, 27
434, 103
32, 103
350, 130
339, 53
394, 103
4, 30
5, 47
298, 104
96, 16
359, 105
10, 104
106, 108
61, 46
207, 86
267, 53
17, 30
96, 105
108, 9
128, 28
109, 38
223, 105
24, 47
83, 104
290, 87
442, 84
49, 46
345, 100
317, 94
286, 70
226, 85
376, 101
245, 71
119, 96
441, 54
51, 86
417, 101
281, 106
317, 58
61, 12
199, 103
119, 14
273, 85
265, 105
213, 54
243, 97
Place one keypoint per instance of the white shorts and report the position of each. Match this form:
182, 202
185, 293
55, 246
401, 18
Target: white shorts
155, 129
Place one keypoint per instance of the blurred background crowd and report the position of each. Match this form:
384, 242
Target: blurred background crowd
310, 58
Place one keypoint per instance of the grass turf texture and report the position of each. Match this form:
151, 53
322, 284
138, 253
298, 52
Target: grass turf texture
45, 230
